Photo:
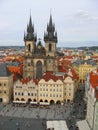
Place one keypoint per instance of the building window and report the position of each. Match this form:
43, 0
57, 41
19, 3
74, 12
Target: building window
50, 47
4, 84
29, 47
31, 94
60, 90
18, 93
15, 93
22, 94
69, 94
28, 94
28, 64
49, 61
4, 91
35, 94
0, 84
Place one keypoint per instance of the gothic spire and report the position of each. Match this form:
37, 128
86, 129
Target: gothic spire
50, 21
30, 31
30, 28
50, 35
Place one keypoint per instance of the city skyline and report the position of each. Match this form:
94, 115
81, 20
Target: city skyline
75, 21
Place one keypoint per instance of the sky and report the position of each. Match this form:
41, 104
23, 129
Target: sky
76, 21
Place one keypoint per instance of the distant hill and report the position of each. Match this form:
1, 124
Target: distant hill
80, 45
80, 48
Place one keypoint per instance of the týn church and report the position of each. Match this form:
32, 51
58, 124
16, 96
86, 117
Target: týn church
39, 59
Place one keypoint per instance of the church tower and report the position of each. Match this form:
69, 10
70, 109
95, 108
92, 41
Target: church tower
30, 39
37, 58
50, 38
30, 47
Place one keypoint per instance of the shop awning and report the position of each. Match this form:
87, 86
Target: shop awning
19, 101
44, 103
33, 102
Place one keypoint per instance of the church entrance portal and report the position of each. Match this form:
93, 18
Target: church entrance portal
39, 69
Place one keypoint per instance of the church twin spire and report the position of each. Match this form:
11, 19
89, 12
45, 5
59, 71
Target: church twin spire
49, 35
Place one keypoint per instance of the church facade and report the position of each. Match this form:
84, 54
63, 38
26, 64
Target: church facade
39, 59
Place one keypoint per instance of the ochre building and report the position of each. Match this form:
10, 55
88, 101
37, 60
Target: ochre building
6, 84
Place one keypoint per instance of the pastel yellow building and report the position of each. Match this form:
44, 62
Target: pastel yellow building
6, 84
82, 68
50, 91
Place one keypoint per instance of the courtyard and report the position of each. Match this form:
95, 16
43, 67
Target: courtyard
48, 113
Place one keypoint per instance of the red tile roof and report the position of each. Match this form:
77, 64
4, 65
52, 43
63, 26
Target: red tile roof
36, 81
75, 76
15, 69
68, 57
94, 78
49, 76
25, 81
1, 60
94, 82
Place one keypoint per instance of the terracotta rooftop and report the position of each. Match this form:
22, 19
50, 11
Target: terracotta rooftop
94, 78
25, 81
50, 75
94, 81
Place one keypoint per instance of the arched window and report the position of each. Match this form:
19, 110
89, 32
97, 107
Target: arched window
29, 47
50, 47
39, 69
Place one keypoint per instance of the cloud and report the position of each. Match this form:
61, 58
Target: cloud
82, 13
85, 15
